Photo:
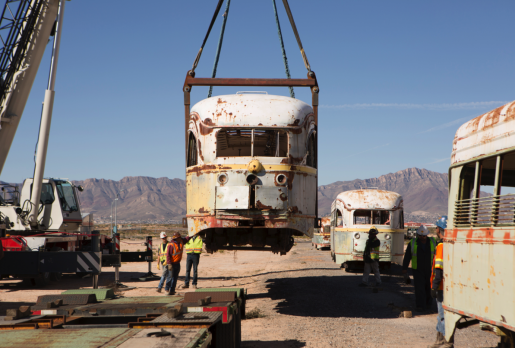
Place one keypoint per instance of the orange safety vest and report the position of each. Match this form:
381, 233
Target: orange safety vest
176, 251
437, 263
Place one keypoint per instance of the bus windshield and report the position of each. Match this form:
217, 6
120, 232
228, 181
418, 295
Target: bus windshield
66, 196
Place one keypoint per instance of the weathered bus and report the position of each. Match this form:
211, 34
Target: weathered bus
251, 171
479, 243
353, 213
322, 236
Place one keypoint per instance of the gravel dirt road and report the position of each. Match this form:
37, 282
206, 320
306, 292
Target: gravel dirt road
302, 299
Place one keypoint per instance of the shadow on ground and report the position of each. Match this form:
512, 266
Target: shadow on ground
338, 296
273, 344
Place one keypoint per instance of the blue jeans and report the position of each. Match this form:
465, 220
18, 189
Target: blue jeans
164, 277
440, 324
174, 275
192, 260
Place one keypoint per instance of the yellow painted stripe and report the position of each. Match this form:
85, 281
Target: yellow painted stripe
345, 229
271, 167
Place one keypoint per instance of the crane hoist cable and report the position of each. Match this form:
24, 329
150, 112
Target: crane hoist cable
195, 63
220, 41
219, 46
285, 59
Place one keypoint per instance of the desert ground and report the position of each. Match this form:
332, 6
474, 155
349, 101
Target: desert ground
302, 299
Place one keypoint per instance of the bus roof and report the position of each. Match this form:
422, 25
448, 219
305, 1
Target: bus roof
486, 134
247, 110
370, 199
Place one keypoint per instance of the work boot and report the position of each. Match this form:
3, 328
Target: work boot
171, 292
440, 340
185, 286
158, 289
194, 286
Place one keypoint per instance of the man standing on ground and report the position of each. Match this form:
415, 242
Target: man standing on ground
437, 287
371, 257
420, 252
161, 259
173, 260
193, 248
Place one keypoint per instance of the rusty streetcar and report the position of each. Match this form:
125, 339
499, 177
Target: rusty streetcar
352, 215
251, 171
479, 244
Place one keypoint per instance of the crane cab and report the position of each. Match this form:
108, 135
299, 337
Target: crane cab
59, 209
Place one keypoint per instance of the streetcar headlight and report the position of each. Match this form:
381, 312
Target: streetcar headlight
281, 179
387, 237
356, 235
222, 178
252, 179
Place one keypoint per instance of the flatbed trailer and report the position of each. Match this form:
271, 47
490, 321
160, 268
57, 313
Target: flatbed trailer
205, 318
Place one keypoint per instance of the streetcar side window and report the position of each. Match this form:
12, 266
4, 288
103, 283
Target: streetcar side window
248, 142
192, 150
311, 158
507, 179
486, 185
339, 218
467, 181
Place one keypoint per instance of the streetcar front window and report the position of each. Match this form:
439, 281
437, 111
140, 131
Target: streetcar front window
371, 217
251, 142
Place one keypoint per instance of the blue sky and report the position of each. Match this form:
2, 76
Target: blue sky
397, 78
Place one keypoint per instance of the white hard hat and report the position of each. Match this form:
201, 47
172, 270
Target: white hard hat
422, 230
163, 235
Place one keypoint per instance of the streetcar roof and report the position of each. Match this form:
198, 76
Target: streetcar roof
252, 110
370, 199
486, 134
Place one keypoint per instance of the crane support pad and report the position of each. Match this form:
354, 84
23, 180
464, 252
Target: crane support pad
36, 262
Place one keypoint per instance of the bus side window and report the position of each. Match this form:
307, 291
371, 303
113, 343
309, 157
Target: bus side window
311, 159
192, 150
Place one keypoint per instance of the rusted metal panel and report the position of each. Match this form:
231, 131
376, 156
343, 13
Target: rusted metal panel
479, 271
486, 134
271, 197
232, 197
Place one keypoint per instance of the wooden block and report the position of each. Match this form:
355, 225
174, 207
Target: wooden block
408, 314
13, 313
178, 307
208, 299
24, 311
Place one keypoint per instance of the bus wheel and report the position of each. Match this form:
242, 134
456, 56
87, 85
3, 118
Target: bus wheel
55, 276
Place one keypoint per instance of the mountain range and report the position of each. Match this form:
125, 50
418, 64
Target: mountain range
162, 199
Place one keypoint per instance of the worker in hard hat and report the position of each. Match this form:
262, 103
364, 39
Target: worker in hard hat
437, 287
173, 260
420, 252
371, 257
193, 249
161, 262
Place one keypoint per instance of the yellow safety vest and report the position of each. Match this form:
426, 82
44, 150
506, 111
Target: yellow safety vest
194, 245
162, 255
374, 253
414, 248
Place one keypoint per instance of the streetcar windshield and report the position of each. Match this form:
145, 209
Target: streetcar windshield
252, 142
371, 217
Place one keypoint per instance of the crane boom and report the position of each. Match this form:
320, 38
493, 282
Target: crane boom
30, 33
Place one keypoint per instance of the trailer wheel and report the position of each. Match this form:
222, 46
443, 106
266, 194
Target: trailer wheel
55, 276
42, 280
